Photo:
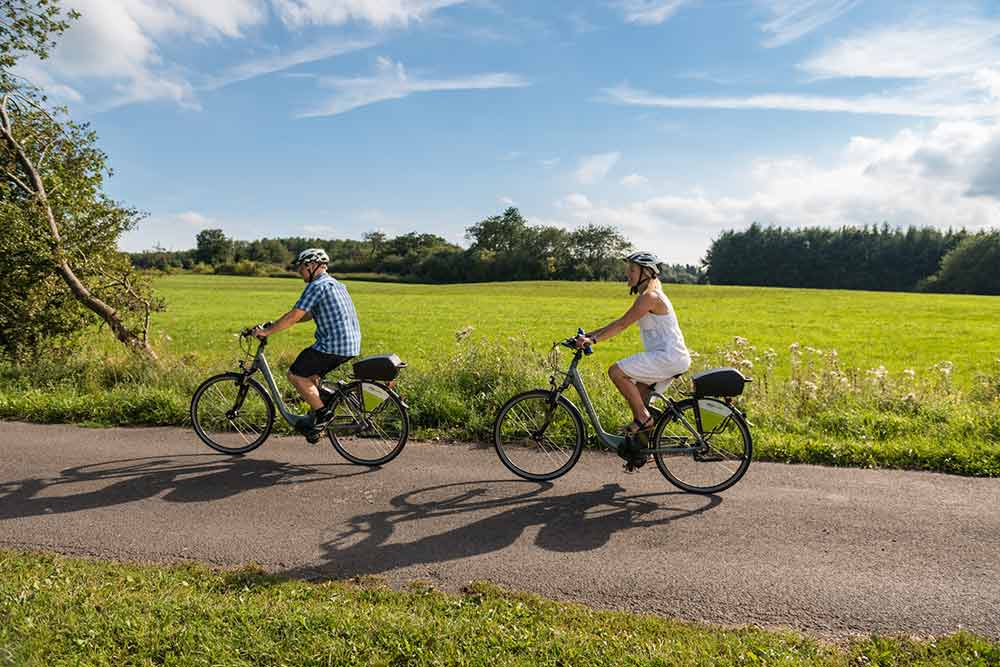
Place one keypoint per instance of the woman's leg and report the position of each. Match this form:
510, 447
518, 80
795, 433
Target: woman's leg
631, 393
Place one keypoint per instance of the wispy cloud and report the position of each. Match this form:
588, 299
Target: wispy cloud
634, 180
869, 104
650, 12
946, 70
791, 19
282, 61
377, 12
594, 168
918, 51
392, 82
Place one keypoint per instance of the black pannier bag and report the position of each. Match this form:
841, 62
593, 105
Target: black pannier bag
719, 382
381, 367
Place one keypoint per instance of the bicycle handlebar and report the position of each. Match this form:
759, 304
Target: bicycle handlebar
571, 343
246, 333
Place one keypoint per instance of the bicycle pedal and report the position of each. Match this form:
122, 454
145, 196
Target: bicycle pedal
314, 437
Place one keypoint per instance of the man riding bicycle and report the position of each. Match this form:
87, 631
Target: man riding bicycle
338, 334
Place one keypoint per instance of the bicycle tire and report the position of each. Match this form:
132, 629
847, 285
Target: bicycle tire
386, 440
572, 435
680, 469
204, 430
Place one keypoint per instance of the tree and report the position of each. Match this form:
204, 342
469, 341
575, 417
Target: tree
56, 217
376, 240
28, 26
971, 267
500, 233
213, 247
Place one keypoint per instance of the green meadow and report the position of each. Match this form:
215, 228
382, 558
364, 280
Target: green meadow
419, 322
842, 378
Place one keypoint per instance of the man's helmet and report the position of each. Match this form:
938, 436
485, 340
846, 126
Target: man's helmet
312, 256
645, 259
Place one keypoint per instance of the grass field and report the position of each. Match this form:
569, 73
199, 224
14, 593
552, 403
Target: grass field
419, 322
63, 611
914, 382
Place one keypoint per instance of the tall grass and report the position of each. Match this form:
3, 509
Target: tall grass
823, 412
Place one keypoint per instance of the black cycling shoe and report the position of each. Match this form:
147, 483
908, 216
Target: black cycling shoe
320, 420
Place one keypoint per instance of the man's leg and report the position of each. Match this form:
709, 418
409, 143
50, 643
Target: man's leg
308, 388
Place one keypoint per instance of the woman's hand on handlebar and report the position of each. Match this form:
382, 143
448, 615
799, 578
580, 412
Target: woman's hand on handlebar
583, 342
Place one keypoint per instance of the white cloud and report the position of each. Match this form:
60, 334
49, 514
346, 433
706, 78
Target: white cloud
791, 19
898, 105
949, 69
507, 201
298, 13
115, 54
281, 61
912, 51
947, 176
650, 12
320, 230
195, 219
391, 82
549, 163
635, 180
594, 168
111, 54
575, 202
173, 231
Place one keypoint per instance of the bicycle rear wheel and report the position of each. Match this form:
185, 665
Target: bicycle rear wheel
538, 438
370, 423
232, 416
716, 467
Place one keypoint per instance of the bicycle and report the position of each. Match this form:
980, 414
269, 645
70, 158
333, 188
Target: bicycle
701, 444
233, 413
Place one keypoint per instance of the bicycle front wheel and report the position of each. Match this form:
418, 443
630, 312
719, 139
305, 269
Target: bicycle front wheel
538, 438
231, 415
370, 423
717, 466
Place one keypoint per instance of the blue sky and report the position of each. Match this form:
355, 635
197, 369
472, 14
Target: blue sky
671, 119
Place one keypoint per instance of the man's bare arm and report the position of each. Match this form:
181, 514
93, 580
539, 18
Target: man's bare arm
294, 316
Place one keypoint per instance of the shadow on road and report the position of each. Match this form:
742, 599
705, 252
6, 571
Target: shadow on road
178, 478
569, 523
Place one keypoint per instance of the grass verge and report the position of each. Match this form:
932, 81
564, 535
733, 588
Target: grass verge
61, 611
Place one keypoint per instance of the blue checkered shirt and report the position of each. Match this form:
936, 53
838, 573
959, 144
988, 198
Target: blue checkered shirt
337, 328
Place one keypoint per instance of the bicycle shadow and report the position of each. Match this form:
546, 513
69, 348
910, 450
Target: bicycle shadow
576, 522
122, 481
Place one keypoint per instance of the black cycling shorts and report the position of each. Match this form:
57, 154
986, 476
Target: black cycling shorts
313, 362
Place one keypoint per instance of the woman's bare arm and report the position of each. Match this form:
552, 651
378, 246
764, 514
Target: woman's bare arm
642, 305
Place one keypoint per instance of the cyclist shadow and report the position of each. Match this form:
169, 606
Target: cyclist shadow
575, 522
123, 481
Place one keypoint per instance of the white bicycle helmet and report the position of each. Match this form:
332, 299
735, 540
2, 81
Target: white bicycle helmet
645, 259
312, 256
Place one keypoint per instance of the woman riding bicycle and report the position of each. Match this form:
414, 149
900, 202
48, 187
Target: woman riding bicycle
665, 356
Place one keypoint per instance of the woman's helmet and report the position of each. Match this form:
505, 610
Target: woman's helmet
646, 260
312, 256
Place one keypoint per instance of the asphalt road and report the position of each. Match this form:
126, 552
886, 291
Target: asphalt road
825, 550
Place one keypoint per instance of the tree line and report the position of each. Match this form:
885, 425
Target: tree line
502, 247
866, 258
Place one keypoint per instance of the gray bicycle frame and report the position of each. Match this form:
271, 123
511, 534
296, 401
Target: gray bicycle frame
260, 364
610, 440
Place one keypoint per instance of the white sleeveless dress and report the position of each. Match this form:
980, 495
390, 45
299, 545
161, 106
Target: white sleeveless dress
665, 355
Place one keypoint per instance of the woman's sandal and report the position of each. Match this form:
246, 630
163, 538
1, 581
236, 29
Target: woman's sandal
638, 427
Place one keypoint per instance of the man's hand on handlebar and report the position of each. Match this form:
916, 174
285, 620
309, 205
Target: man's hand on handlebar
256, 330
582, 342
